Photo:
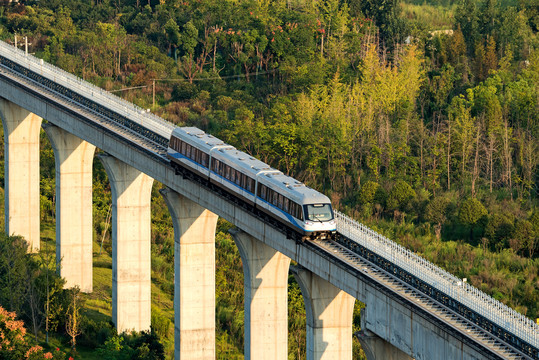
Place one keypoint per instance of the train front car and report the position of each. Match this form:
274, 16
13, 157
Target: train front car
319, 221
305, 210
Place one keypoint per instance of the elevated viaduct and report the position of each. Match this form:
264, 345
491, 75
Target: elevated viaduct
414, 310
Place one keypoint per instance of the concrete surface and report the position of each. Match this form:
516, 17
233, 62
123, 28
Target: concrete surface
74, 160
329, 312
266, 296
194, 284
21, 154
131, 230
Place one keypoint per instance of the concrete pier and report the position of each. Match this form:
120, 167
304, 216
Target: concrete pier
131, 231
376, 348
74, 159
21, 154
266, 291
329, 312
194, 283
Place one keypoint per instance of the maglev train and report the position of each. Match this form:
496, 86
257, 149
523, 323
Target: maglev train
278, 196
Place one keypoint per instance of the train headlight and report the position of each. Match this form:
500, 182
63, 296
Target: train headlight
309, 223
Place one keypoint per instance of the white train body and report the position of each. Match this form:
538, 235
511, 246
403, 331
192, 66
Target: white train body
281, 197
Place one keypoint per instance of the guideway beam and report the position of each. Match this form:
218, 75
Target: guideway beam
131, 230
266, 294
194, 277
329, 314
21, 154
376, 348
74, 159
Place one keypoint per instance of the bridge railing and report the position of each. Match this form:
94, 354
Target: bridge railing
440, 279
88, 90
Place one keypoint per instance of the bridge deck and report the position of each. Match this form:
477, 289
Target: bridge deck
421, 300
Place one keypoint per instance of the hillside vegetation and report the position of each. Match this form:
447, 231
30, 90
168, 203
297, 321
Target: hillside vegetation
429, 137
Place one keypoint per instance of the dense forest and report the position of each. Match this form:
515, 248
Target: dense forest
419, 119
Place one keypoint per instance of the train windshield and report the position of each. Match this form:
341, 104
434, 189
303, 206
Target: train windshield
319, 212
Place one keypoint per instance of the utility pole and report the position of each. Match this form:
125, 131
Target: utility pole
153, 81
26, 45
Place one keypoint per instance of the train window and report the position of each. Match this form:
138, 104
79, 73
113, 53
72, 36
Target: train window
239, 177
280, 201
215, 165
222, 168
274, 197
227, 172
250, 184
269, 194
241, 180
188, 150
183, 149
262, 191
205, 159
296, 211
232, 175
286, 204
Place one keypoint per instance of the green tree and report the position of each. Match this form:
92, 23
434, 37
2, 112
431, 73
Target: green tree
436, 212
367, 192
387, 17
463, 129
172, 31
189, 41
13, 271
523, 236
470, 212
399, 197
467, 18
499, 229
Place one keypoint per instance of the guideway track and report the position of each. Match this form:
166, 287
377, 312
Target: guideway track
396, 288
88, 115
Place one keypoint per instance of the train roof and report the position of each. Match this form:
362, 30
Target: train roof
251, 166
198, 137
295, 189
